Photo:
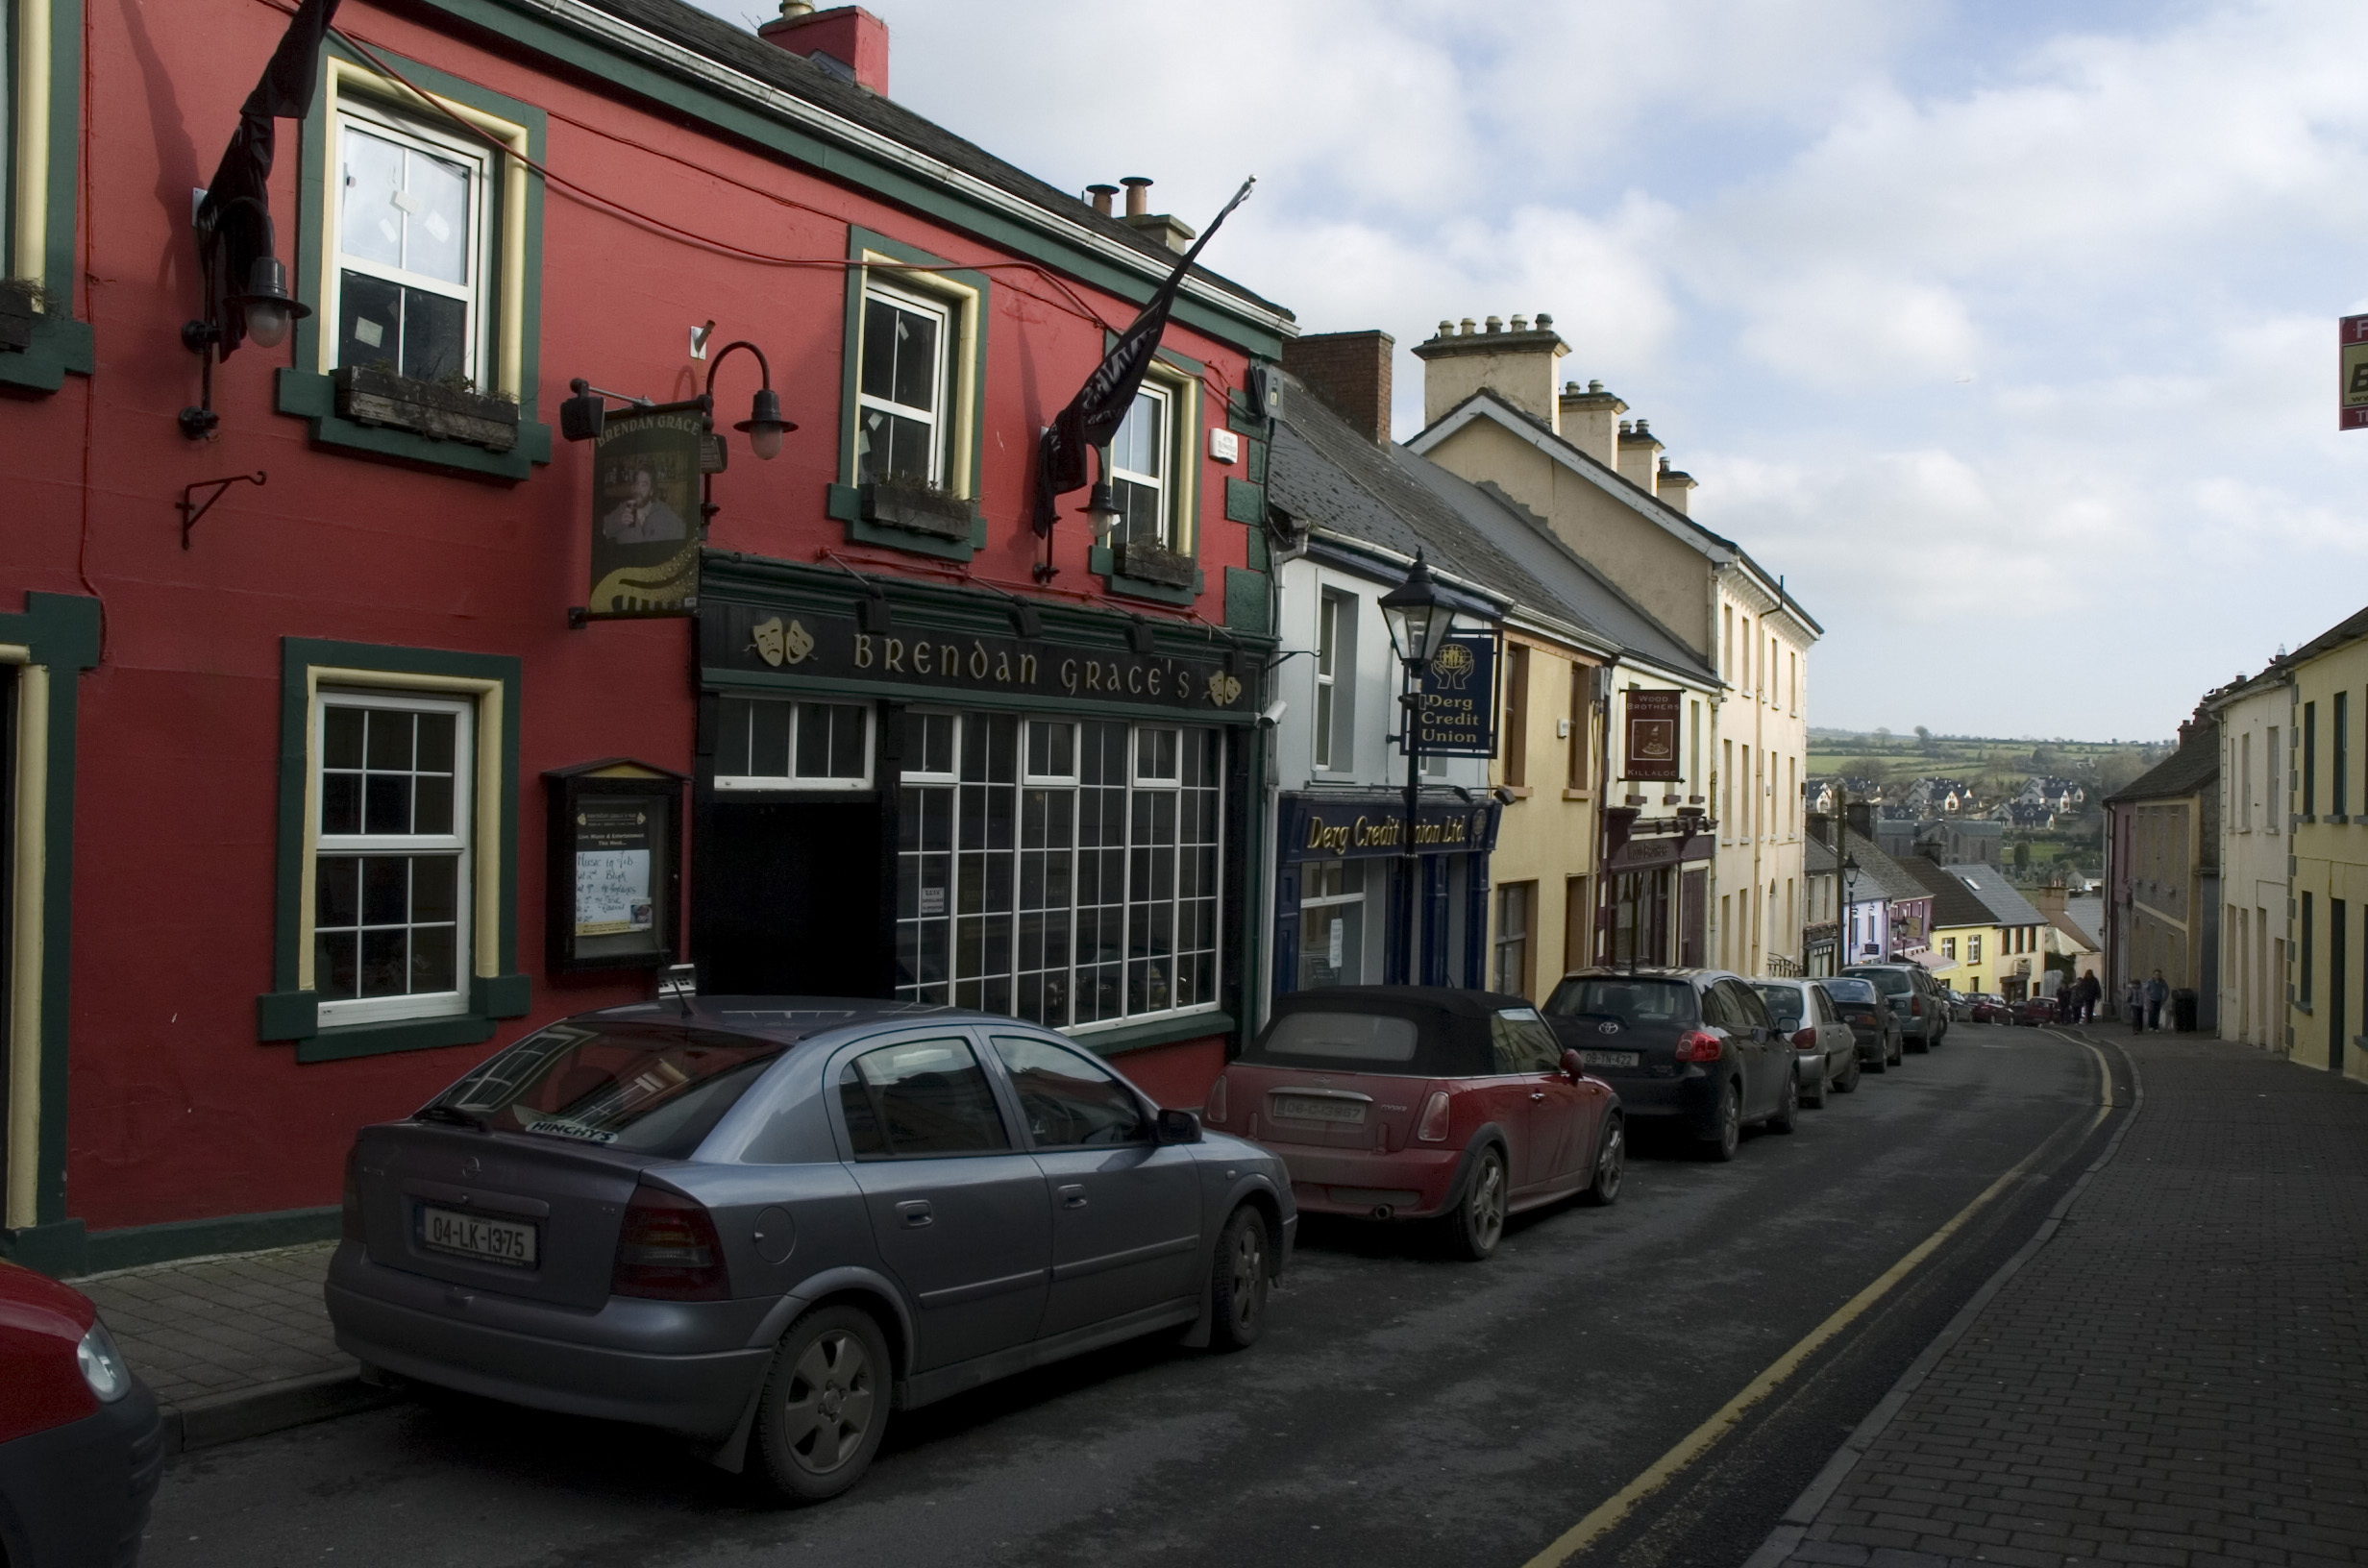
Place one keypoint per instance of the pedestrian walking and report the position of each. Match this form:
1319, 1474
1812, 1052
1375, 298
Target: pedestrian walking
2157, 991
2090, 989
2133, 1006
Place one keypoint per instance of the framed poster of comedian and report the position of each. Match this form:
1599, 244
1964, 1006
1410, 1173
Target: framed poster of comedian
614, 879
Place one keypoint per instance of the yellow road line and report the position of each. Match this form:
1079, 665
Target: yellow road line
1699, 1441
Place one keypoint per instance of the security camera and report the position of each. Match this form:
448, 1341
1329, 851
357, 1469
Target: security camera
1273, 713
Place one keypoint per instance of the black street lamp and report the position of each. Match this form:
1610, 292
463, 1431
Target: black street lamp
764, 427
1419, 621
1849, 908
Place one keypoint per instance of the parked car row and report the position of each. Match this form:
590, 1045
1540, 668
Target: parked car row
766, 1223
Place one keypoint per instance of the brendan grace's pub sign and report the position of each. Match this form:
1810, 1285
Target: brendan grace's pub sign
1344, 830
830, 647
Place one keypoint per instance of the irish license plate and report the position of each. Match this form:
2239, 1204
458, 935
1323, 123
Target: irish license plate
489, 1241
1318, 1108
1609, 1059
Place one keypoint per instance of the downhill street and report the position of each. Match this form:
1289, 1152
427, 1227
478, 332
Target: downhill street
1401, 1407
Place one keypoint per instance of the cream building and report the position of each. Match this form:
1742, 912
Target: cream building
1601, 485
2328, 823
2256, 722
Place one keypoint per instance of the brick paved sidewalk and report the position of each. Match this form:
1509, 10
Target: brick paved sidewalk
2178, 1377
234, 1345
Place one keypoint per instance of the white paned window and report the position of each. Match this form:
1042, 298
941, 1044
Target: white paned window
1141, 457
1331, 923
1058, 871
766, 744
391, 867
904, 390
1335, 679
413, 249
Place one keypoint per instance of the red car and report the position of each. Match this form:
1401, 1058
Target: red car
80, 1446
2033, 1011
1411, 1103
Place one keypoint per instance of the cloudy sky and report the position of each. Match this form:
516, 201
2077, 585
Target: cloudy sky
2003, 329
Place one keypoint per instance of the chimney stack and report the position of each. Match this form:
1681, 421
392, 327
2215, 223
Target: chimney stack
1590, 421
1100, 196
847, 41
1351, 372
1170, 231
1671, 484
1639, 450
1860, 815
1518, 365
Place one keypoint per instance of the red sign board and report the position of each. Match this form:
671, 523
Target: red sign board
2352, 372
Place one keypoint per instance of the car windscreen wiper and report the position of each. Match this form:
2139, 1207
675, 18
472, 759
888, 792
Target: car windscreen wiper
453, 1115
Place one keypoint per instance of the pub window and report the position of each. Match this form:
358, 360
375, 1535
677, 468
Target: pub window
1142, 460
904, 392
1067, 874
413, 249
391, 866
767, 744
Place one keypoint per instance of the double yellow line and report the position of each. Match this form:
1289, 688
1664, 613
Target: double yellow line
1699, 1441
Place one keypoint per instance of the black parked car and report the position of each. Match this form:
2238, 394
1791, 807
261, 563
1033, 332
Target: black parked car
766, 1222
1871, 1021
1696, 1047
1914, 996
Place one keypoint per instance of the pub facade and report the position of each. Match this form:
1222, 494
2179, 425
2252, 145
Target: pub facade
415, 646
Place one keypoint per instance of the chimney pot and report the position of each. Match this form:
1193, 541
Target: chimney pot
1594, 386
1520, 324
1545, 323
1465, 330
1496, 324
1643, 428
1138, 195
1627, 428
1102, 196
797, 8
1446, 328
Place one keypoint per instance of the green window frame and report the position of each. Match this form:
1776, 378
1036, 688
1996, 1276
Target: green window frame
1179, 379
291, 1011
967, 297
510, 325
41, 53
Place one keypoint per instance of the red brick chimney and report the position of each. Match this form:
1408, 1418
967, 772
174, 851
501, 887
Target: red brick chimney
1351, 372
847, 41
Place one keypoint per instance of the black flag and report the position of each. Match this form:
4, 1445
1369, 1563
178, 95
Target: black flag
233, 222
1099, 407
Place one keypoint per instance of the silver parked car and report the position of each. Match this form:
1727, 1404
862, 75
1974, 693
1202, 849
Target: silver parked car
764, 1223
1825, 1047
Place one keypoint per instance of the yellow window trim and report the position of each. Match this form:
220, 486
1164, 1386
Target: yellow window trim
485, 845
25, 958
1184, 456
961, 456
33, 65
510, 244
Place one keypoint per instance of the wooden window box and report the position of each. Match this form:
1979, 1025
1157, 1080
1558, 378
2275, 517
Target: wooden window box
918, 508
1149, 562
370, 396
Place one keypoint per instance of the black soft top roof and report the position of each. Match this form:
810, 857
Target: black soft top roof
1454, 1039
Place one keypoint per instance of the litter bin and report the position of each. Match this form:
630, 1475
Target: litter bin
2183, 1010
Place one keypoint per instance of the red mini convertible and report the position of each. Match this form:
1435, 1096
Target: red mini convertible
80, 1447
1406, 1102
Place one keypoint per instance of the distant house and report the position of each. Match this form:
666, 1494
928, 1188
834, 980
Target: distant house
2162, 872
1988, 937
1940, 796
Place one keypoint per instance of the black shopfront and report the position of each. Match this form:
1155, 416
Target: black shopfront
942, 793
1339, 855
1656, 893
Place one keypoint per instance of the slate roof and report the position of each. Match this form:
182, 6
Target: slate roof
744, 52
1817, 860
2335, 636
1328, 474
2191, 770
2007, 904
1953, 902
1894, 879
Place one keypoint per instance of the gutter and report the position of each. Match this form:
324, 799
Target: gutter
627, 39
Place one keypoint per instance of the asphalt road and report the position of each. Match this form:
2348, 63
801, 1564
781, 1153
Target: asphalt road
1402, 1408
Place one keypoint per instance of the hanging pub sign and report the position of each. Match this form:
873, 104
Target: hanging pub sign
614, 884
645, 469
1652, 735
1457, 707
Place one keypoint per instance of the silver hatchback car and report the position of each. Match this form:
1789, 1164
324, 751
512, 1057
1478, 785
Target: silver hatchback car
764, 1223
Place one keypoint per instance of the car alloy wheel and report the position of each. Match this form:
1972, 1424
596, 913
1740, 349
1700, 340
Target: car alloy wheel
1788, 1114
1722, 1145
1480, 1218
824, 1406
1824, 1081
1611, 1166
1238, 1280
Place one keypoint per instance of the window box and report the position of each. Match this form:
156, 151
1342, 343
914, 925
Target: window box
16, 316
1148, 561
918, 508
369, 395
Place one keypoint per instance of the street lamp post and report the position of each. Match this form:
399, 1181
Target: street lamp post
1849, 907
1419, 621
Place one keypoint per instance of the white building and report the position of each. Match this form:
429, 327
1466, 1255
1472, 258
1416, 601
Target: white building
2256, 724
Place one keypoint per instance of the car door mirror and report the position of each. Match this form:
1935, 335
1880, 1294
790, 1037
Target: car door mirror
1574, 1065
1177, 1127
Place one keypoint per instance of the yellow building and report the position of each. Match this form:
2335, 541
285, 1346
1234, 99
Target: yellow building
1985, 936
2327, 919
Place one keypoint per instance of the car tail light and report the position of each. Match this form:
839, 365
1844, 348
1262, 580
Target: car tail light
350, 1224
1804, 1039
1916, 1006
1433, 1128
668, 1250
1699, 1045
1214, 1110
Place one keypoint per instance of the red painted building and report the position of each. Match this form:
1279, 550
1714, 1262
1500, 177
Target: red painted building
282, 860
